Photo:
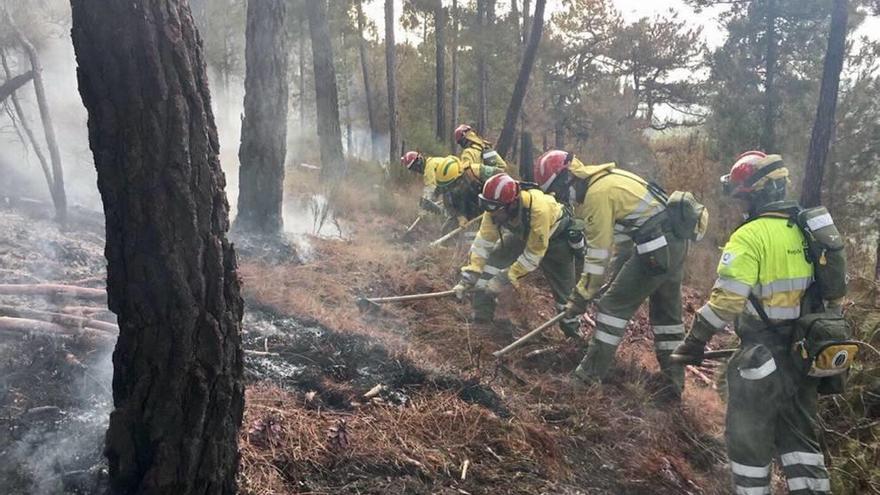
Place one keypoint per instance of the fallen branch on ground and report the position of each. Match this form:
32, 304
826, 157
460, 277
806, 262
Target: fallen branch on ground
61, 319
53, 290
22, 326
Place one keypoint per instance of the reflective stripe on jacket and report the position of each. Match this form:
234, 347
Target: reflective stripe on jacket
615, 205
476, 154
543, 214
765, 257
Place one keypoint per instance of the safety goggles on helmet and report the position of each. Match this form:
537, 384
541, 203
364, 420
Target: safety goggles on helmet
489, 205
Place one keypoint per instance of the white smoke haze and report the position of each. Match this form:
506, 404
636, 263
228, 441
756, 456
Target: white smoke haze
70, 122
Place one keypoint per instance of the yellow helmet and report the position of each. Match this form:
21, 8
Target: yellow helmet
449, 171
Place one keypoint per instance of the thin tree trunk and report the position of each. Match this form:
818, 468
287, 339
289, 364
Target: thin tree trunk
526, 23
454, 102
13, 83
390, 71
482, 68
29, 131
440, 65
368, 93
768, 136
264, 125
823, 127
514, 18
522, 81
178, 391
59, 197
326, 92
528, 157
302, 71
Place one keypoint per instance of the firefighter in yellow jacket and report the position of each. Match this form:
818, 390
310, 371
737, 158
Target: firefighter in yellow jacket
621, 212
771, 412
416, 162
521, 230
477, 149
458, 184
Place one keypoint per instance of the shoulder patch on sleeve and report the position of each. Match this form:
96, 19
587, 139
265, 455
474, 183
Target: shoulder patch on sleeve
727, 258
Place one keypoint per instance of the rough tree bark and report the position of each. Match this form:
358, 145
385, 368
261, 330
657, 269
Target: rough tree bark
391, 76
13, 83
771, 57
326, 92
522, 81
368, 92
264, 125
440, 65
482, 26
59, 196
823, 126
454, 100
178, 392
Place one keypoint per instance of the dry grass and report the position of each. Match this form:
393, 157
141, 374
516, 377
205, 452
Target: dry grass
609, 439
288, 447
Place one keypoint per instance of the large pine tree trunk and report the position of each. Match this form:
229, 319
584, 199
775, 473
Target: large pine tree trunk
264, 126
302, 69
440, 66
326, 92
454, 100
368, 92
771, 58
391, 76
171, 273
823, 127
522, 81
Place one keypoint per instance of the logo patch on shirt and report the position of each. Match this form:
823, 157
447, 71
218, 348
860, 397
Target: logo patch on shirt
727, 258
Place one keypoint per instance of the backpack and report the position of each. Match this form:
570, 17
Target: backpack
821, 339
688, 218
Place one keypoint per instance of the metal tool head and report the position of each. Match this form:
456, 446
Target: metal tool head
365, 305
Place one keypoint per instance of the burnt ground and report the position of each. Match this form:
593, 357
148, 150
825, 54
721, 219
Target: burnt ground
405, 400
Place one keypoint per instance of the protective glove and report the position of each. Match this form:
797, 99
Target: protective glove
462, 220
577, 305
498, 283
689, 352
467, 282
430, 206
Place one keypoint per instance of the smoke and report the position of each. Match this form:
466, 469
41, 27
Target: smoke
63, 453
70, 122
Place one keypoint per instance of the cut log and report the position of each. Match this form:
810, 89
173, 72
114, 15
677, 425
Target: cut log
59, 318
53, 290
18, 327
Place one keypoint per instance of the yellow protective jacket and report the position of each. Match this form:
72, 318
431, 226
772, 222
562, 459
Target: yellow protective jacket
479, 151
431, 164
541, 213
765, 256
615, 205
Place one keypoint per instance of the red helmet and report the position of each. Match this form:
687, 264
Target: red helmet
499, 191
548, 167
410, 158
744, 168
460, 131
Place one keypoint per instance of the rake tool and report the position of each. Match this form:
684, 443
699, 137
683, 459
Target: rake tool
455, 232
534, 333
366, 303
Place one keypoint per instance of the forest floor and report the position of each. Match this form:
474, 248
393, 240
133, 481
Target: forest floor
406, 399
